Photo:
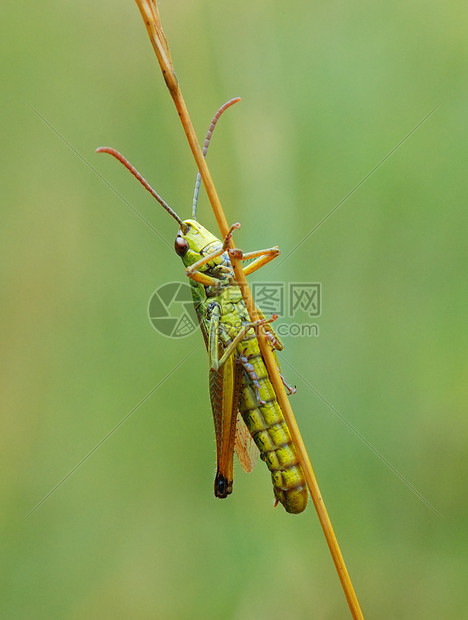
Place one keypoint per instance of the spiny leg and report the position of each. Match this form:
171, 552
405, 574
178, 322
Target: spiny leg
276, 344
231, 348
271, 335
291, 390
262, 257
203, 278
273, 339
248, 367
194, 269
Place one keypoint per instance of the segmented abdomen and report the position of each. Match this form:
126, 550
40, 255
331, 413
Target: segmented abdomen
270, 432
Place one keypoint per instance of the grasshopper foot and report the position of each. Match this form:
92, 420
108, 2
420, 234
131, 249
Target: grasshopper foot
228, 237
235, 253
291, 390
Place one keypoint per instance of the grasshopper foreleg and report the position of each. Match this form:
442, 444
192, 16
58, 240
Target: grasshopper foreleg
262, 257
193, 271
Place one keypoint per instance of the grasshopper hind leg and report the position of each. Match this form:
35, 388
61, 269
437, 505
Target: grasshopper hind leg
243, 360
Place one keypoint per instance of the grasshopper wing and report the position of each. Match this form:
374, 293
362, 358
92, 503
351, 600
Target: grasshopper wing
246, 450
224, 394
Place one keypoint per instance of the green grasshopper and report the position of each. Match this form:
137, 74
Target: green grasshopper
247, 416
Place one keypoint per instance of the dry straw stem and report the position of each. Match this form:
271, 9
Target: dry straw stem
150, 14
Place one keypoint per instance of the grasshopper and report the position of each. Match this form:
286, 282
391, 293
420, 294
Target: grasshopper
247, 416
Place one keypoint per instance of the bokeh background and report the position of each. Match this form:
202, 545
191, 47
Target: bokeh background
329, 89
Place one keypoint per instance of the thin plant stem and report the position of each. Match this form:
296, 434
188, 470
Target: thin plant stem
150, 14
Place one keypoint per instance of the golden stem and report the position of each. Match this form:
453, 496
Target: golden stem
150, 14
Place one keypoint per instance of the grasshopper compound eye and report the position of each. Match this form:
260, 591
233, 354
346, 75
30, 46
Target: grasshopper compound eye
181, 246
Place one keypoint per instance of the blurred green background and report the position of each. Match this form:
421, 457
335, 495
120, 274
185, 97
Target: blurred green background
329, 89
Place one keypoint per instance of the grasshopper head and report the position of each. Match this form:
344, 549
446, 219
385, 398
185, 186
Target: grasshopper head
192, 239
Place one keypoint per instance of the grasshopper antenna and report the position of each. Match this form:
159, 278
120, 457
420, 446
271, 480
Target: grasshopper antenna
206, 144
143, 181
